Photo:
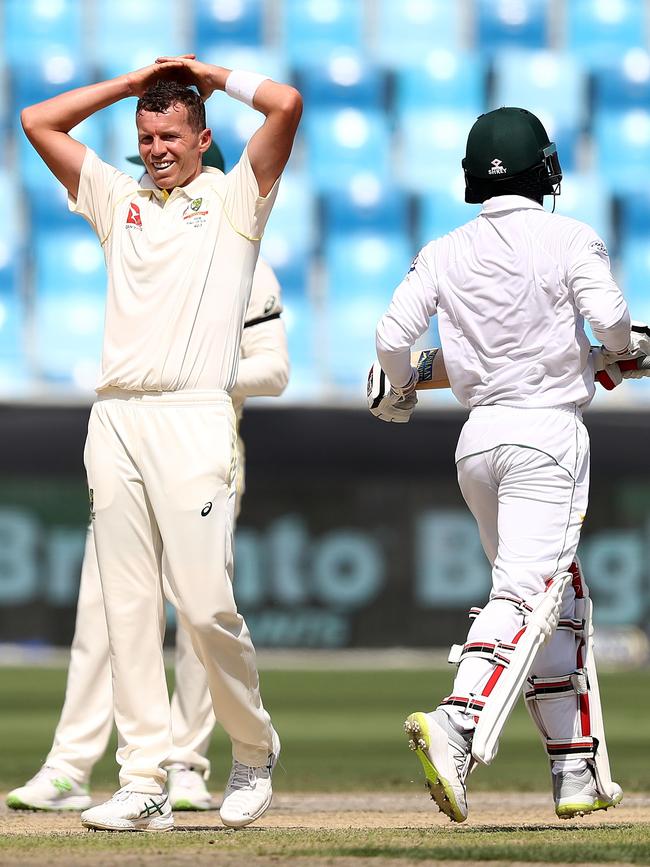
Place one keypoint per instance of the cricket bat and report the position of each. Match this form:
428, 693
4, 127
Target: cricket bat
431, 369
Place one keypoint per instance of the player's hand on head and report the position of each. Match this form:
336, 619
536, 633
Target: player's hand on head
141, 79
386, 402
193, 72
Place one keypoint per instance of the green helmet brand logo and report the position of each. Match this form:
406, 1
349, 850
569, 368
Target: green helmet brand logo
505, 143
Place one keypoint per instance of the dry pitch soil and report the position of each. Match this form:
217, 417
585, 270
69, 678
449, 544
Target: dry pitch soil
312, 812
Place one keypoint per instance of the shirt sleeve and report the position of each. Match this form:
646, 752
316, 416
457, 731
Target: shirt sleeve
595, 292
101, 187
414, 302
264, 362
264, 356
246, 209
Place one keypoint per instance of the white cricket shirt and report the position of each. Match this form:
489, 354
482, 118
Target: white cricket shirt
511, 289
180, 269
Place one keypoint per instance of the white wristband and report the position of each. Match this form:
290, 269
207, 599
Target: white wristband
242, 85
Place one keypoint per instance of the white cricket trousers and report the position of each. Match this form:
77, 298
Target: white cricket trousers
86, 720
161, 469
529, 503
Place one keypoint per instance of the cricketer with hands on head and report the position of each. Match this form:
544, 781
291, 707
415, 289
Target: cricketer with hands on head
180, 249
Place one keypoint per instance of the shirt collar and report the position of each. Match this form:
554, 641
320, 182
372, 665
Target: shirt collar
199, 184
498, 204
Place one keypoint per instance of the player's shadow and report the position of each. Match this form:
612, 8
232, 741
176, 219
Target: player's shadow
565, 829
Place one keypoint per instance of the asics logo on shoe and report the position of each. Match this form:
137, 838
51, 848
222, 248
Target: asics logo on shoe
152, 807
62, 784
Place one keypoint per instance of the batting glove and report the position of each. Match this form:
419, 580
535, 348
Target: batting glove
388, 403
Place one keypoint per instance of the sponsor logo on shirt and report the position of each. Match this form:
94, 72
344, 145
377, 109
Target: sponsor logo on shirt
195, 213
270, 304
497, 168
133, 217
598, 247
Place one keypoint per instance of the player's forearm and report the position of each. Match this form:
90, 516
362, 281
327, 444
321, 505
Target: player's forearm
615, 338
601, 302
63, 112
263, 375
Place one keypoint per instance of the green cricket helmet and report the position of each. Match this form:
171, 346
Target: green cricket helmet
212, 157
502, 145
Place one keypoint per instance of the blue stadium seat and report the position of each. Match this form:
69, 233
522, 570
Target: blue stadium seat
129, 34
433, 147
312, 28
344, 144
366, 205
413, 28
46, 76
635, 277
442, 79
262, 59
301, 319
624, 86
442, 212
218, 21
598, 33
551, 85
289, 237
35, 175
622, 143
69, 304
635, 215
341, 79
13, 362
232, 124
35, 30
363, 272
586, 198
508, 23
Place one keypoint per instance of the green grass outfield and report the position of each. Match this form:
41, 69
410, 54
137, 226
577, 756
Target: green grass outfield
341, 731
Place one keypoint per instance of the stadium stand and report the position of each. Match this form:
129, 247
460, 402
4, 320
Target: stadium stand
391, 90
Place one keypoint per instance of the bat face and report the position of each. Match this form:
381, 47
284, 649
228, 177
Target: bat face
423, 360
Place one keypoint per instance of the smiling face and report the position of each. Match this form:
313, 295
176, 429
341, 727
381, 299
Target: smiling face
169, 147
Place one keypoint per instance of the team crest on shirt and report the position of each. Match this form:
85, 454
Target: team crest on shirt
270, 304
133, 218
195, 213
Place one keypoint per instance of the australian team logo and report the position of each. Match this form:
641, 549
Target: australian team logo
195, 213
133, 218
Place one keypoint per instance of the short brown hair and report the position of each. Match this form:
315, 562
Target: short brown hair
166, 93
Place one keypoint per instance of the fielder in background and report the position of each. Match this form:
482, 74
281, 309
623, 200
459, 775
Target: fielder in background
161, 454
511, 289
86, 720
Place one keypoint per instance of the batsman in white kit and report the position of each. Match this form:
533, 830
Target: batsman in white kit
161, 453
511, 290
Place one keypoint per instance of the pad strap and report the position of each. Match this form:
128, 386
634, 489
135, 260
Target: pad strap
498, 653
541, 688
573, 748
471, 704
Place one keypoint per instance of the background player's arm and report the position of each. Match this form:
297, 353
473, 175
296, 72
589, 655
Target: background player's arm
47, 124
264, 363
270, 146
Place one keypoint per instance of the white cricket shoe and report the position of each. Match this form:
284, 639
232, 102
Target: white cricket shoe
131, 811
575, 793
445, 757
248, 792
187, 789
49, 789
